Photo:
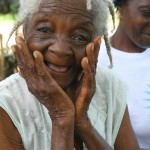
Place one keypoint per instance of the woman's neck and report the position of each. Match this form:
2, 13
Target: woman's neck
121, 41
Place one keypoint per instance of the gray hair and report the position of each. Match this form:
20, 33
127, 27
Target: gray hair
101, 8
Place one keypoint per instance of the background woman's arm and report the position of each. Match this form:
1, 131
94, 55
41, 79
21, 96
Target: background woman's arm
126, 139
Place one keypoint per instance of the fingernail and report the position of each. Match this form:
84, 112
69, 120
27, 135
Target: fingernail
92, 47
19, 46
99, 40
17, 39
86, 59
35, 54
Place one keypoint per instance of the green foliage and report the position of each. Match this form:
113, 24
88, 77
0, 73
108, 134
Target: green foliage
7, 6
8, 18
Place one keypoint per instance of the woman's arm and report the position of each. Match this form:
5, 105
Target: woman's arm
126, 139
10, 138
83, 127
49, 93
92, 139
62, 136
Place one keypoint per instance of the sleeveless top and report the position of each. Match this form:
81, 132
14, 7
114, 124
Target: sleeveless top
33, 122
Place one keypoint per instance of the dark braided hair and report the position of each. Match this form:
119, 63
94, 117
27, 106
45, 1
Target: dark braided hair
119, 3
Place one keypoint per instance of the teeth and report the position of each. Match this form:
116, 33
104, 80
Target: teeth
58, 68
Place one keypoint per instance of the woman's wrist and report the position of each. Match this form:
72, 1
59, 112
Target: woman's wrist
83, 125
62, 134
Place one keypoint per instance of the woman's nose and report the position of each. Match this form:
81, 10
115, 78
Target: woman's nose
60, 48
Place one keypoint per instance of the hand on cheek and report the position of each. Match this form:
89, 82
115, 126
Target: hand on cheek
88, 86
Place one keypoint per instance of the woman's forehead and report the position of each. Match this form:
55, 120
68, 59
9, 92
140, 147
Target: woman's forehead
67, 1
142, 2
67, 7
76, 4
58, 11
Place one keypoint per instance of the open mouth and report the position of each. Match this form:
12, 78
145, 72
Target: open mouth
58, 69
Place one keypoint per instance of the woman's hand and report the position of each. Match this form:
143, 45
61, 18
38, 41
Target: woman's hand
83, 127
41, 84
49, 93
87, 90
88, 84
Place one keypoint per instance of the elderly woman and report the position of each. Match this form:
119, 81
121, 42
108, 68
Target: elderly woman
131, 61
57, 100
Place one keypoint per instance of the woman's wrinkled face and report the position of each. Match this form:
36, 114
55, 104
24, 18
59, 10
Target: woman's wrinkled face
60, 31
135, 21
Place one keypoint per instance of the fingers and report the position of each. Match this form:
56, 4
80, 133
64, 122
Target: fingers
24, 52
86, 93
90, 56
24, 59
40, 66
89, 67
88, 79
92, 51
17, 55
88, 87
89, 73
31, 65
97, 42
84, 98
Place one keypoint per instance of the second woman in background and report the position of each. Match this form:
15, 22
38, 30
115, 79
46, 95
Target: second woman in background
131, 60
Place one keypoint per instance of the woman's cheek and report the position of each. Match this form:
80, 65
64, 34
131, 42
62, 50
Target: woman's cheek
37, 45
79, 54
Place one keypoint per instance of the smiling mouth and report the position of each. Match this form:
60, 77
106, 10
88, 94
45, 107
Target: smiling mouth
58, 69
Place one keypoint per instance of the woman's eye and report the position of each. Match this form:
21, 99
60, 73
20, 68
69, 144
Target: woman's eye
146, 13
44, 30
79, 38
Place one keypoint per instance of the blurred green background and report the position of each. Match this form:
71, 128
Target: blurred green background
8, 10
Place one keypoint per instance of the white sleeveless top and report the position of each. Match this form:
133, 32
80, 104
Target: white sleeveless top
32, 119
